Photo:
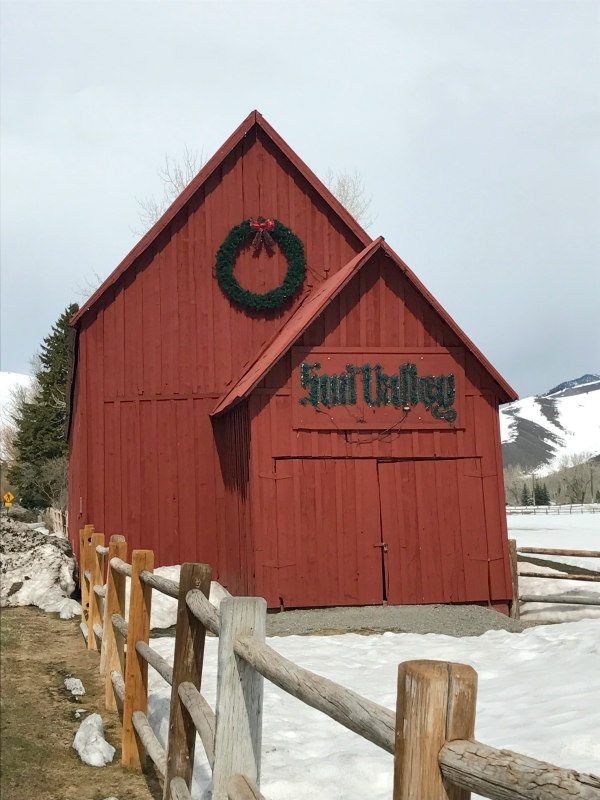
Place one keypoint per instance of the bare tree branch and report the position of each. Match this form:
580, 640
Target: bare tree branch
175, 175
350, 190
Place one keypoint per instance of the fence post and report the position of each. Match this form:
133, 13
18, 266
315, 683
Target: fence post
96, 568
187, 666
436, 703
238, 732
111, 652
514, 569
136, 668
85, 535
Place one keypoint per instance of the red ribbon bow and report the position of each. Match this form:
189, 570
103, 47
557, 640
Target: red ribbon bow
262, 236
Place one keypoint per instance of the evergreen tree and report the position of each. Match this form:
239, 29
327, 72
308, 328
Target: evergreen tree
39, 472
525, 496
542, 497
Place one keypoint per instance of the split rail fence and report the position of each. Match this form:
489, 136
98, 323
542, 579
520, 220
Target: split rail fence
431, 735
562, 599
570, 508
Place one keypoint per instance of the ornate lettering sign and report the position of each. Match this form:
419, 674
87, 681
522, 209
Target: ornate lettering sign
377, 390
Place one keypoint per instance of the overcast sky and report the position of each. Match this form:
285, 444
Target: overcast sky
475, 126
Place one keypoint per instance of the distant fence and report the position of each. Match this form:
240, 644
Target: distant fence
574, 508
518, 598
430, 735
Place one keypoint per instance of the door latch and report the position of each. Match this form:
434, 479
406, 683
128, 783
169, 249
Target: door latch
383, 545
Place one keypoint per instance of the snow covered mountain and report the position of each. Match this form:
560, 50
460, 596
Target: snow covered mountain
538, 431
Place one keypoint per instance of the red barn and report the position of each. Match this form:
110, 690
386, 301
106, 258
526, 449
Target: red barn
260, 386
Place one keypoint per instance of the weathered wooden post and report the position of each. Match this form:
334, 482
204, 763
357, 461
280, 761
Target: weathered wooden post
96, 568
514, 569
238, 734
436, 704
111, 653
187, 667
136, 667
85, 536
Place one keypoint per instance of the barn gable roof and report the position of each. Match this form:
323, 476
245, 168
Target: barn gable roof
316, 303
253, 120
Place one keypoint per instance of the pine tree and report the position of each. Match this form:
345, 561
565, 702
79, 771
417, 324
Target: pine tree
541, 495
39, 472
525, 496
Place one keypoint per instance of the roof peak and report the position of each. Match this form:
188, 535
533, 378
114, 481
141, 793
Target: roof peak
254, 119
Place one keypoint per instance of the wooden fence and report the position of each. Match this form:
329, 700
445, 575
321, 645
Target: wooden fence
430, 735
518, 598
571, 508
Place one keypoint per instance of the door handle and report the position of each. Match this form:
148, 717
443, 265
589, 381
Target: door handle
383, 545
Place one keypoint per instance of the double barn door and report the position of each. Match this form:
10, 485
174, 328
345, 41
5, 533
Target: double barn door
362, 531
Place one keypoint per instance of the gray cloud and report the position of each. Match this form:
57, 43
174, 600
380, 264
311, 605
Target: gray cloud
474, 125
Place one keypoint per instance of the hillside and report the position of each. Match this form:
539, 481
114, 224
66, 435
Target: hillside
537, 432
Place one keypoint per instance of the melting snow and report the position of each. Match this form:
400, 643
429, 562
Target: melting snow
90, 743
37, 569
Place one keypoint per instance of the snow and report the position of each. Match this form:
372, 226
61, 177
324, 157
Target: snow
572, 532
164, 608
578, 428
539, 694
90, 743
37, 569
508, 428
75, 686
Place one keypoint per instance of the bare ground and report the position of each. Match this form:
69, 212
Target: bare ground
38, 716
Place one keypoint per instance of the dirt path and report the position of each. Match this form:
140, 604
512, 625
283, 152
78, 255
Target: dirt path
38, 717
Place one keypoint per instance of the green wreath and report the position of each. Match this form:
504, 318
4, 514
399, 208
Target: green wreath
263, 232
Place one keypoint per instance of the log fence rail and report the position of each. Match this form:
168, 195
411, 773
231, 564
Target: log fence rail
518, 598
431, 734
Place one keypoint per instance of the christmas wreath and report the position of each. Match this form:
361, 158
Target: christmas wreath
264, 232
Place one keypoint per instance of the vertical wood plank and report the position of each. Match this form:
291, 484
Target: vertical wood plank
435, 703
96, 579
85, 535
136, 668
238, 733
515, 612
187, 666
460, 715
112, 651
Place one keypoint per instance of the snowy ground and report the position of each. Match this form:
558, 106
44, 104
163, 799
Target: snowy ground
576, 532
539, 694
37, 569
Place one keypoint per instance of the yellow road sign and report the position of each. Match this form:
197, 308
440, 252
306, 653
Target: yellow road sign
8, 497
7, 505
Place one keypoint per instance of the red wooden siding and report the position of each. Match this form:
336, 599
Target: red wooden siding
162, 345
451, 479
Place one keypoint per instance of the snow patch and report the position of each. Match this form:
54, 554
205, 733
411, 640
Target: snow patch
90, 743
37, 569
164, 608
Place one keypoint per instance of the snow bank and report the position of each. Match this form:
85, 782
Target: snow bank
539, 694
90, 743
37, 569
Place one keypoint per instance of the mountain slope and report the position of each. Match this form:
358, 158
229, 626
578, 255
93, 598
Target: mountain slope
537, 432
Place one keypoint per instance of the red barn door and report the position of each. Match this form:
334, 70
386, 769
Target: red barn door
328, 533
433, 523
